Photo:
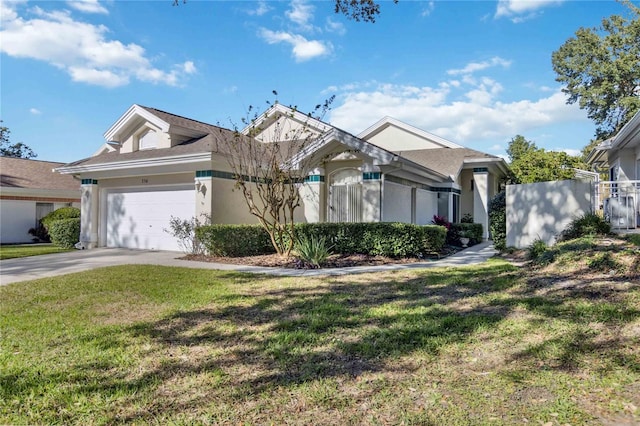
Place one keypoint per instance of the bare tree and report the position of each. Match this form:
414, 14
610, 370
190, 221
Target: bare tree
269, 157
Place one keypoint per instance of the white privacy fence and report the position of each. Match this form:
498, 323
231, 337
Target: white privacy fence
543, 210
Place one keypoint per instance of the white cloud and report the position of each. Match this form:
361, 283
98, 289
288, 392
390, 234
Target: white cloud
35, 111
261, 9
335, 27
496, 147
474, 116
301, 13
521, 10
569, 151
472, 67
82, 50
88, 6
189, 67
428, 8
303, 49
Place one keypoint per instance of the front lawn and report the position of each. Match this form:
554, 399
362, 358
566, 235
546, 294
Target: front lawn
491, 344
24, 250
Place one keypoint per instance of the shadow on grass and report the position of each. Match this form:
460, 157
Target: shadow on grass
253, 341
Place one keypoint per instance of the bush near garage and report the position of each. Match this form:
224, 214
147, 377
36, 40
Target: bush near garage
65, 233
58, 214
41, 232
377, 239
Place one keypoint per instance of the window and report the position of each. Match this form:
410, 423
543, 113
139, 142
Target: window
42, 209
148, 140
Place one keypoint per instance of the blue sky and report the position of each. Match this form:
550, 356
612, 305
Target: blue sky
477, 73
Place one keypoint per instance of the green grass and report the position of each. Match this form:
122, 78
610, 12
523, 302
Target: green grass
25, 250
477, 345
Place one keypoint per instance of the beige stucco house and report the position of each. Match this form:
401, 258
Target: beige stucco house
619, 197
155, 165
29, 190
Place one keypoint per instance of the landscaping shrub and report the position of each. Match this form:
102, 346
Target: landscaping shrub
312, 250
65, 233
473, 231
235, 240
498, 220
384, 239
184, 230
58, 214
585, 225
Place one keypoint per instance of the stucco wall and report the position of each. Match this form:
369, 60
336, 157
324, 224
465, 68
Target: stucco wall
426, 206
16, 218
396, 203
395, 139
543, 210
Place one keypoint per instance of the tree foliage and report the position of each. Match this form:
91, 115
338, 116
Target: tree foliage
600, 68
358, 10
16, 150
269, 166
531, 164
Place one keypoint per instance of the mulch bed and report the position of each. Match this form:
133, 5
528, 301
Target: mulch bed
334, 261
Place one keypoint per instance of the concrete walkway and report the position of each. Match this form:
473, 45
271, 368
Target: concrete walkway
49, 265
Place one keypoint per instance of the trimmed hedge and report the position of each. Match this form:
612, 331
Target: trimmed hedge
65, 233
58, 214
384, 239
473, 231
235, 240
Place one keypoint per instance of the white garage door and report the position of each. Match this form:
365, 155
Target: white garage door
138, 219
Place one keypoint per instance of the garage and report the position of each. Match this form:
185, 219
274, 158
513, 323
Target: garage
138, 219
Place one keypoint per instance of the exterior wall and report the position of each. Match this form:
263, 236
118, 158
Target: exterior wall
16, 218
481, 201
466, 196
543, 210
313, 200
395, 139
396, 203
426, 206
371, 199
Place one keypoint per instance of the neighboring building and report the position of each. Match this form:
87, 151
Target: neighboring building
156, 165
29, 190
619, 197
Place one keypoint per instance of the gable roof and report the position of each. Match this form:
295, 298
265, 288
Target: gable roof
447, 161
34, 174
387, 121
628, 136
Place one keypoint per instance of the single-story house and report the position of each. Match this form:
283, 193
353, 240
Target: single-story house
619, 197
155, 165
29, 190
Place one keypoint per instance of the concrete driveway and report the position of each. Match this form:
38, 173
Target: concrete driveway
49, 265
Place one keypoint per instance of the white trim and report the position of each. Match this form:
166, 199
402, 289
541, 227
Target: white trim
627, 133
105, 147
130, 164
278, 110
389, 121
118, 126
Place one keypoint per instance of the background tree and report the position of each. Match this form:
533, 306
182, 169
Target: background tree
16, 150
600, 68
269, 173
531, 164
